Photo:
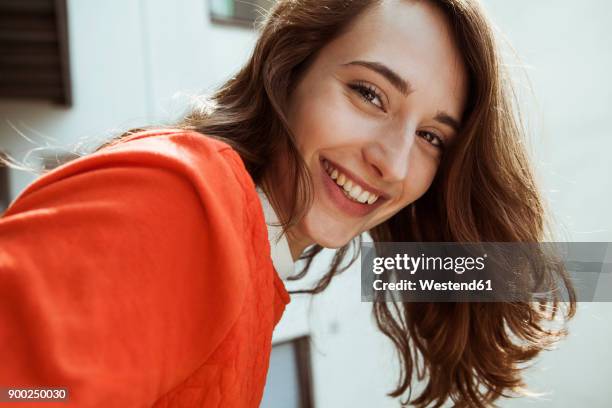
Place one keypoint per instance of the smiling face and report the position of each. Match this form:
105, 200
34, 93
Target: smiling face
372, 115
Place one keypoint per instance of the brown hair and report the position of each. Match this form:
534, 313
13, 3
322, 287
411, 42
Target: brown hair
484, 191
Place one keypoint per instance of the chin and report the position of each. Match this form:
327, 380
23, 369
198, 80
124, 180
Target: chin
326, 242
328, 233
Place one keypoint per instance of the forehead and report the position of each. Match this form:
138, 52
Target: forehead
413, 39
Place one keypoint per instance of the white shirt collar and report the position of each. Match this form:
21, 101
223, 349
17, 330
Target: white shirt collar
279, 246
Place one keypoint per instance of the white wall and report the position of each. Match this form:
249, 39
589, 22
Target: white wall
133, 63
129, 58
565, 47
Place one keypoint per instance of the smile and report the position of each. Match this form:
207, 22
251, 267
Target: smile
351, 188
347, 192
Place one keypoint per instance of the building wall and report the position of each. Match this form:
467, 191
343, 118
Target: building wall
133, 63
136, 62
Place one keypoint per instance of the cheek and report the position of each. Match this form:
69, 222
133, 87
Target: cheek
421, 172
327, 120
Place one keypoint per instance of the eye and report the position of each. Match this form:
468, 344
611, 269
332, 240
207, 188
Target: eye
432, 138
368, 93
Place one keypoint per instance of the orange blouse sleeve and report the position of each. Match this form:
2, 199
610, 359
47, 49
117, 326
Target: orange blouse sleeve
119, 276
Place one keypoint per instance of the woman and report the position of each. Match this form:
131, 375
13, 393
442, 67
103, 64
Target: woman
388, 117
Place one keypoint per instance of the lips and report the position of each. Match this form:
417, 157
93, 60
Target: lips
353, 200
352, 189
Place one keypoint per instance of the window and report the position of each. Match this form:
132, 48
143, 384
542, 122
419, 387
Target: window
238, 12
4, 187
34, 58
289, 382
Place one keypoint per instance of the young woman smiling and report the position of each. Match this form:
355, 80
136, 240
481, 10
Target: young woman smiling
390, 117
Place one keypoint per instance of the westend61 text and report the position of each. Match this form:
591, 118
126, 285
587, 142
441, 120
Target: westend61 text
429, 285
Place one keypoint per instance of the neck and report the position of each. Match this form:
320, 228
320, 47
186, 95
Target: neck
297, 245
296, 239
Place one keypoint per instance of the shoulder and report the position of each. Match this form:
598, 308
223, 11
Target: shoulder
212, 168
203, 158
149, 201
126, 243
187, 148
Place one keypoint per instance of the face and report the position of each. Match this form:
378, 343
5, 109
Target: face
372, 115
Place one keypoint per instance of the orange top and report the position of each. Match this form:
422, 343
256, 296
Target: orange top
138, 276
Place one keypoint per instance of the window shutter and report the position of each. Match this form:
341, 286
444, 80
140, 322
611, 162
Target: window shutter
34, 60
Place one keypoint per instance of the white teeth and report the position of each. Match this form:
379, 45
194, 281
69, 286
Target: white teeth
352, 190
363, 197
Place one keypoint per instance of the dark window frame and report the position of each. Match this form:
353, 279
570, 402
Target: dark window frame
5, 186
301, 349
36, 61
234, 21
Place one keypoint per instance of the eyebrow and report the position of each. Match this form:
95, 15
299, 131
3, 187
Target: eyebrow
404, 87
397, 81
448, 120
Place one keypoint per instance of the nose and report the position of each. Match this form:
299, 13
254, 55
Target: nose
388, 153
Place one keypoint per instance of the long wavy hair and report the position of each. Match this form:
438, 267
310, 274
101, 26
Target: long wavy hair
484, 191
